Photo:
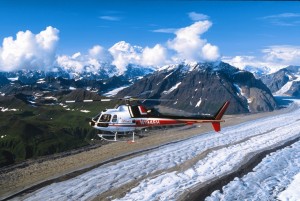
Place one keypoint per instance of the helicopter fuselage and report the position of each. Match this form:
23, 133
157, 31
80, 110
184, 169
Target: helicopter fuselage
126, 118
121, 120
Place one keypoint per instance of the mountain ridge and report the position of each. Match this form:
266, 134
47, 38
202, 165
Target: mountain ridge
205, 85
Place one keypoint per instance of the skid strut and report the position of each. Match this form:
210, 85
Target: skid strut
115, 137
132, 136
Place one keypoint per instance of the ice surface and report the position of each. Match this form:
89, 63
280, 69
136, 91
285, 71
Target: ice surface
292, 192
215, 163
270, 177
220, 153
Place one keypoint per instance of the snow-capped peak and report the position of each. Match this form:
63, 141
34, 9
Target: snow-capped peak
125, 47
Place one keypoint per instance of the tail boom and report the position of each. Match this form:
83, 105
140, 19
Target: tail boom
215, 123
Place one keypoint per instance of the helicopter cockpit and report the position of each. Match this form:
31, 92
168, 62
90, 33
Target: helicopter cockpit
110, 115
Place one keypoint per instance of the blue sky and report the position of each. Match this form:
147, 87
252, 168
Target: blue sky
238, 28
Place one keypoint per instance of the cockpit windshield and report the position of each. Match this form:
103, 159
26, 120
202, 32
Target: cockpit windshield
105, 118
96, 117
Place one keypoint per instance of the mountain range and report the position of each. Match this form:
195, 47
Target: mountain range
30, 82
193, 87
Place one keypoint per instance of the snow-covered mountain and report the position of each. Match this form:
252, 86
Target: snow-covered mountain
194, 87
285, 81
31, 82
202, 87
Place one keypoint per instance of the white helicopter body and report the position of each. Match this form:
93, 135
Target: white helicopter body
132, 118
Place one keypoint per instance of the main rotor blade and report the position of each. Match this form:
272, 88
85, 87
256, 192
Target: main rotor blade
145, 99
88, 101
112, 99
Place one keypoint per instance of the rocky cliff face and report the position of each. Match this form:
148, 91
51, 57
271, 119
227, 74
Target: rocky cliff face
203, 88
3, 80
277, 80
285, 81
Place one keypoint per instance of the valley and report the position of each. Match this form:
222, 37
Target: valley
184, 155
45, 140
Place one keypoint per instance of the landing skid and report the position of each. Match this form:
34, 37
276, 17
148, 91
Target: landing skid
115, 137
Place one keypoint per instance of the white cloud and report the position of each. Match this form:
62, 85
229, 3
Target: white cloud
165, 30
283, 19
123, 54
110, 18
120, 54
197, 16
100, 53
283, 15
189, 45
284, 54
155, 56
76, 55
274, 57
47, 39
241, 61
71, 62
210, 52
93, 61
29, 50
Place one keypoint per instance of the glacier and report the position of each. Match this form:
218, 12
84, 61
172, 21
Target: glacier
167, 172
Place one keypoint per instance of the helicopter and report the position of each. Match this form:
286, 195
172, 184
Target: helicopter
134, 117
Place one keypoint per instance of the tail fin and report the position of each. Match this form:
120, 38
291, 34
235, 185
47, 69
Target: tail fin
218, 116
221, 111
216, 126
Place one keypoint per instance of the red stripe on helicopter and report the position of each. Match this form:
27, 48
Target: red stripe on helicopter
153, 122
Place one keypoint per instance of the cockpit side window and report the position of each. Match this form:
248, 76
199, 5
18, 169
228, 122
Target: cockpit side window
115, 118
105, 118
